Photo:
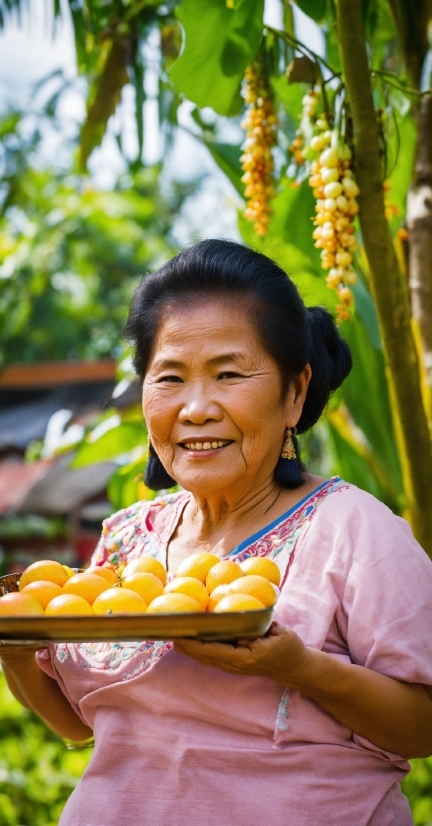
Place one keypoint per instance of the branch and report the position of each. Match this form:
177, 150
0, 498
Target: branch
303, 49
389, 78
387, 283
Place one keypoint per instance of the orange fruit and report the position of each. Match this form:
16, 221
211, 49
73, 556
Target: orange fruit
145, 565
219, 593
262, 566
108, 574
256, 586
42, 590
148, 586
197, 565
222, 573
173, 604
68, 605
238, 602
70, 572
119, 601
191, 587
45, 569
20, 605
86, 585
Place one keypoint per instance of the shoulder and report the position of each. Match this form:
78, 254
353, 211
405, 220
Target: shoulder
139, 510
134, 527
360, 526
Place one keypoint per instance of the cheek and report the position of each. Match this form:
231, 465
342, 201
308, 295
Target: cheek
159, 412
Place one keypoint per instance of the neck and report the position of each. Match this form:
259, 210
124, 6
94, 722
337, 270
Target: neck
210, 513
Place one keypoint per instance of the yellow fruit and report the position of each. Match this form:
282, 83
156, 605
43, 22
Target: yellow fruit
262, 567
197, 565
20, 605
173, 604
108, 574
145, 565
45, 569
222, 573
219, 593
329, 158
42, 590
238, 602
70, 572
86, 585
191, 587
119, 601
255, 586
148, 586
68, 605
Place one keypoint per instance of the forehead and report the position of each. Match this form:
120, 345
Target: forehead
206, 328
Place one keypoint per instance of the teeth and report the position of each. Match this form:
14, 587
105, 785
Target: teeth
205, 445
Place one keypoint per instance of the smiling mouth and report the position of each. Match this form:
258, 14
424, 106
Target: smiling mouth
205, 445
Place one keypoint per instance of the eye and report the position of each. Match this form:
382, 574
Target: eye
230, 374
176, 379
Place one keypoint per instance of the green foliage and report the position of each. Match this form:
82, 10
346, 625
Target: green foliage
37, 773
316, 9
210, 73
417, 787
76, 252
121, 439
70, 254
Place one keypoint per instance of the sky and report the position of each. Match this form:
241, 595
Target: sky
33, 50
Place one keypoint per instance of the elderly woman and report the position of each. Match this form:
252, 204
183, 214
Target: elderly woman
313, 724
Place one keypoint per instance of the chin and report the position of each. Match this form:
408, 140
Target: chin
204, 484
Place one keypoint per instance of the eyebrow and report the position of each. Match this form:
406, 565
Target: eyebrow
167, 364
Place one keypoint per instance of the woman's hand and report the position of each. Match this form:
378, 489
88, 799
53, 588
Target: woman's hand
11, 654
39, 693
394, 715
280, 655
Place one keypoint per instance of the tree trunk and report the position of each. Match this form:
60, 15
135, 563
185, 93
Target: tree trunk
387, 283
419, 225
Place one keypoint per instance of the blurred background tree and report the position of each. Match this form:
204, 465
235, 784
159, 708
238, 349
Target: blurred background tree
358, 70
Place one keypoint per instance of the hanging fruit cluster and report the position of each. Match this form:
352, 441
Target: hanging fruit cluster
335, 190
260, 124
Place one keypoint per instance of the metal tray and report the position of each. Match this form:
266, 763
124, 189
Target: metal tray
130, 627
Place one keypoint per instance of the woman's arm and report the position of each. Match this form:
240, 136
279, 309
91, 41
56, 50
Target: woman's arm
394, 715
38, 692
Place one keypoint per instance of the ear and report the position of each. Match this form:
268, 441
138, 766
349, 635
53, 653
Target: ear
297, 394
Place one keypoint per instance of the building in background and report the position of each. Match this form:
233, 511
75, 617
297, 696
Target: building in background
46, 508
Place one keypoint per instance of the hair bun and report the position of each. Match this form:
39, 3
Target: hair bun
330, 361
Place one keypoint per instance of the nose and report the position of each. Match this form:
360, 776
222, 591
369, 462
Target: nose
199, 408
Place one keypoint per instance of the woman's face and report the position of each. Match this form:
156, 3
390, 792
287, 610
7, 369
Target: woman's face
212, 400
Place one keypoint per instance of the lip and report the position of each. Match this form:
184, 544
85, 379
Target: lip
202, 439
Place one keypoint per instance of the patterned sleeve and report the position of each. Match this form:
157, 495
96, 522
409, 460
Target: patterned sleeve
119, 532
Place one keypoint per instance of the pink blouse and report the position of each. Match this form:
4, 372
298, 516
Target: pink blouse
179, 744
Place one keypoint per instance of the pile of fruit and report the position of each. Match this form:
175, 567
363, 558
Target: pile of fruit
202, 583
328, 161
260, 125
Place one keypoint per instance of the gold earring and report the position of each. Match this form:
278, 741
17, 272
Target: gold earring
288, 448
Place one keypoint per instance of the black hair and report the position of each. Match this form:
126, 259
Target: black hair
293, 334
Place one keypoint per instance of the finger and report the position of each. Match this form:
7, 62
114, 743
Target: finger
210, 649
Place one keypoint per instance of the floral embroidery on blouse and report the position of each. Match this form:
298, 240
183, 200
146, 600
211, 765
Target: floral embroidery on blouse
279, 542
109, 656
125, 537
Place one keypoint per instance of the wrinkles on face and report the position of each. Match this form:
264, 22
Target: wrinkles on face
211, 379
